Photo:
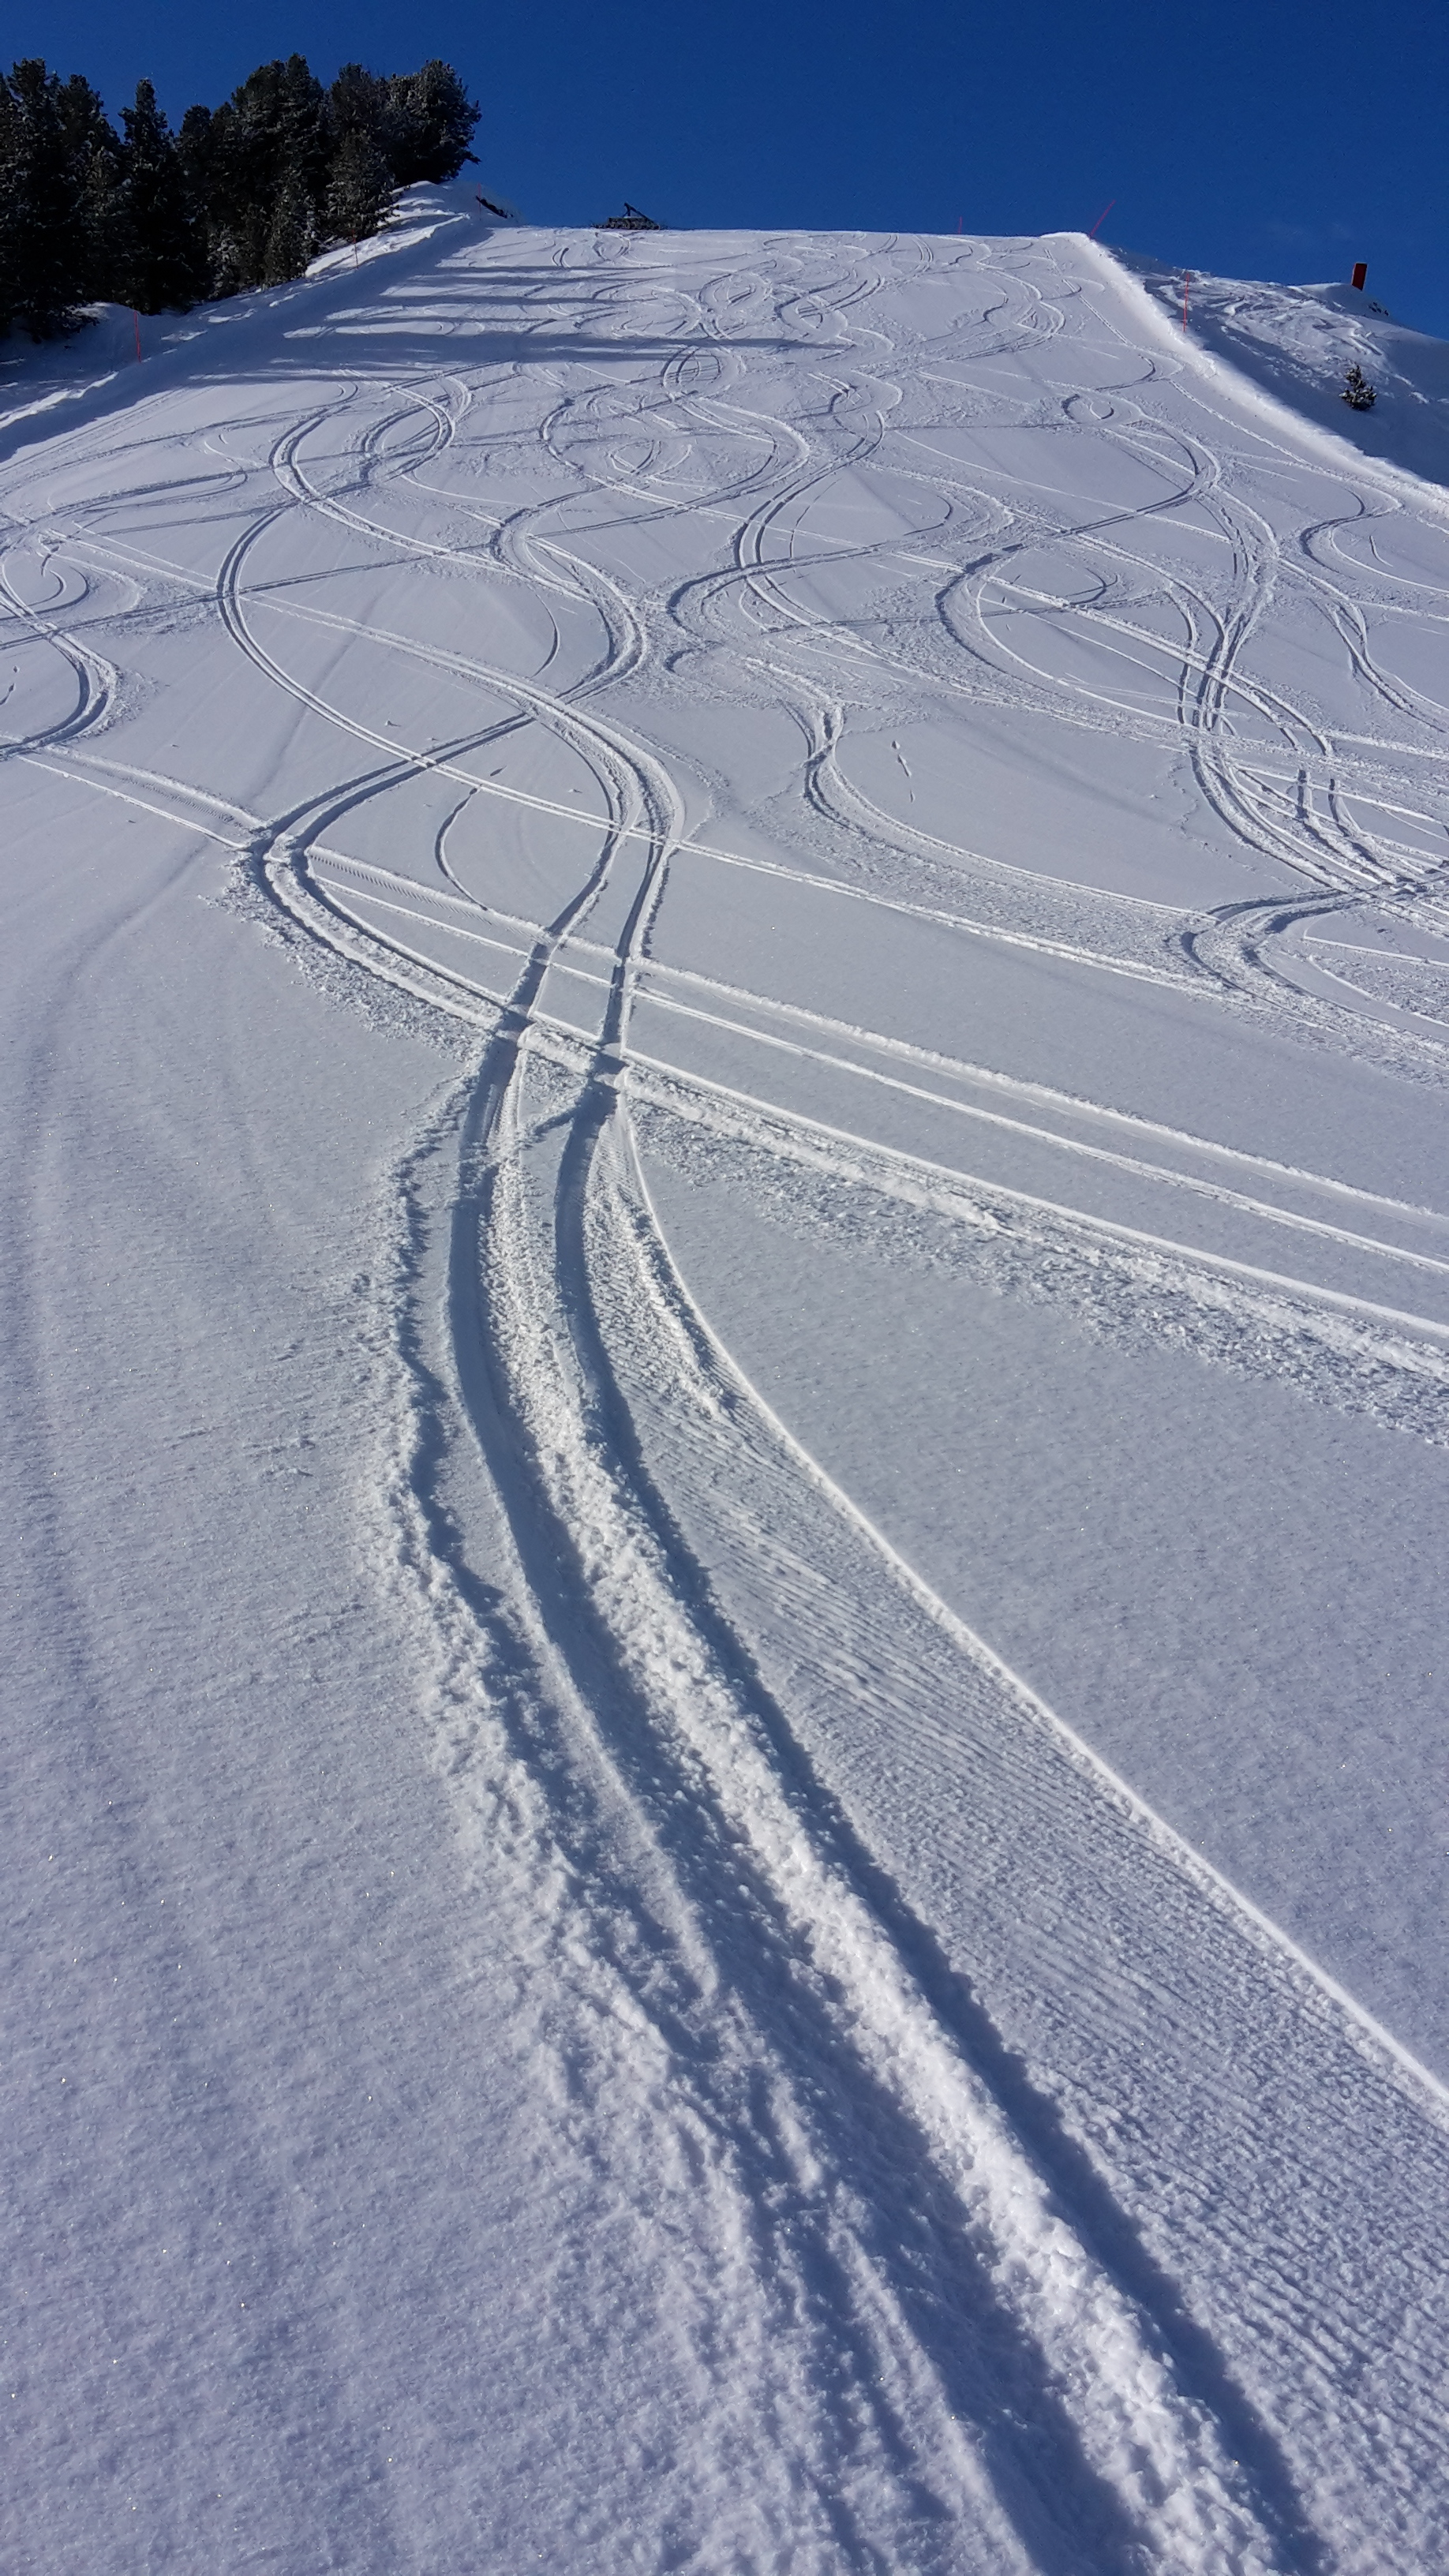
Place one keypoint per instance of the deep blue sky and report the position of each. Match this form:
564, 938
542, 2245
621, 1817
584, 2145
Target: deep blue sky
1258, 139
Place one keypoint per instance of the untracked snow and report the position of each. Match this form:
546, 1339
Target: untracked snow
727, 1390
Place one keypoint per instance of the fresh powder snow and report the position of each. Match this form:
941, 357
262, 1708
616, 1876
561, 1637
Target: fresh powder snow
726, 1377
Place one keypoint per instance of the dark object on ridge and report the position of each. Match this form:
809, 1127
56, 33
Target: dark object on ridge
1358, 393
631, 221
1360, 275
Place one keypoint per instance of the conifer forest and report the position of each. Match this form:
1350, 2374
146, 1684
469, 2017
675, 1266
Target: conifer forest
240, 196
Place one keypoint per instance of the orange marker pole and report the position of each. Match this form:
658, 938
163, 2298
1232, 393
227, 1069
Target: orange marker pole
1101, 219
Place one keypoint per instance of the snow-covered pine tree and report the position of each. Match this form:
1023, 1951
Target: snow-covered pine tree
1358, 393
48, 243
267, 143
164, 266
225, 156
107, 231
292, 235
359, 103
193, 155
304, 129
207, 157
360, 189
432, 124
10, 170
95, 156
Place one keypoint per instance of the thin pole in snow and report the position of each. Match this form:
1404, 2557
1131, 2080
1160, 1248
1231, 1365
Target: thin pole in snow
1101, 219
136, 318
1186, 283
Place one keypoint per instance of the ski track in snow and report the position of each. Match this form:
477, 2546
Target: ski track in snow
1014, 2133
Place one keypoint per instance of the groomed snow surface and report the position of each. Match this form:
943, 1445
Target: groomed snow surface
727, 1372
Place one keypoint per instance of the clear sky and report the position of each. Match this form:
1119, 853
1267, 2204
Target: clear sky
1265, 138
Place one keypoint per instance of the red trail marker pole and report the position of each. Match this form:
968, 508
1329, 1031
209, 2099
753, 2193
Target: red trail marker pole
1101, 219
1360, 274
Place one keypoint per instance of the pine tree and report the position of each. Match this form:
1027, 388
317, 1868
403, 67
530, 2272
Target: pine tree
270, 140
193, 151
240, 198
10, 180
95, 156
165, 264
432, 124
292, 235
359, 102
48, 233
1358, 393
304, 129
107, 226
206, 151
360, 190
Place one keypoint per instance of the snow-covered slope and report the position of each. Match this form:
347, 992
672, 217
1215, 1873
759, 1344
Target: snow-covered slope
1298, 343
727, 1284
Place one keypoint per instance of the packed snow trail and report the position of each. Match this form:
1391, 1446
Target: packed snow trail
924, 845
